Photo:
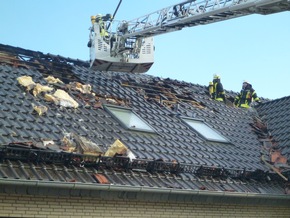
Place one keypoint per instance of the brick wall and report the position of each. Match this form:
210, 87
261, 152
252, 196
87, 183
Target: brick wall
67, 207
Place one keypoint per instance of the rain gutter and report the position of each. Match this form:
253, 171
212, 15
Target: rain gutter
167, 193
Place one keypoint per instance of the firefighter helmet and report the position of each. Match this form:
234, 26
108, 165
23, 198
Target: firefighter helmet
215, 76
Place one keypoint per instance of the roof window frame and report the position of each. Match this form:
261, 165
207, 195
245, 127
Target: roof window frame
148, 129
221, 138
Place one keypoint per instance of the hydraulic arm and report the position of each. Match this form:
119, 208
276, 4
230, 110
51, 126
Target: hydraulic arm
131, 48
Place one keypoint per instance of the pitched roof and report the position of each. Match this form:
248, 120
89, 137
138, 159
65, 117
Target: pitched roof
173, 156
276, 114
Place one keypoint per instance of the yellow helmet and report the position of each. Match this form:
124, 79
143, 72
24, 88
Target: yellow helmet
215, 76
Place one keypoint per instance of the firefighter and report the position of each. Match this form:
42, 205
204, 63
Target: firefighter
216, 89
246, 96
101, 21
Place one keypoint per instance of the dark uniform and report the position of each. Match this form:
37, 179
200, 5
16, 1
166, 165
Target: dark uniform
216, 89
246, 96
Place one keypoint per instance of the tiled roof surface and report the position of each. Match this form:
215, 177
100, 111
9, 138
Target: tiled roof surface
159, 102
276, 115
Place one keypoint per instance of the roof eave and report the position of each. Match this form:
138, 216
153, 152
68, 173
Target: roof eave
35, 187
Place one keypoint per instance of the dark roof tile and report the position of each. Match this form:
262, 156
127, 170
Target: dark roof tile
276, 114
173, 140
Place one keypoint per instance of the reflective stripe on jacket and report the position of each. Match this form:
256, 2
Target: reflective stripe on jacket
244, 99
218, 91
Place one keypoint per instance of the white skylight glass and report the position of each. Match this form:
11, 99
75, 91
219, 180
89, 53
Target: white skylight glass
129, 119
204, 130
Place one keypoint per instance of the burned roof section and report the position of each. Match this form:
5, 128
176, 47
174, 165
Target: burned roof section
53, 116
276, 116
43, 63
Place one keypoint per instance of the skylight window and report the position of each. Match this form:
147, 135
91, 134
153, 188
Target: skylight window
129, 119
204, 130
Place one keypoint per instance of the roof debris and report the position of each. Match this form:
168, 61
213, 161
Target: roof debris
163, 93
47, 151
59, 97
11, 59
27, 82
72, 142
63, 94
277, 157
62, 98
85, 89
40, 88
100, 178
276, 170
44, 63
40, 109
52, 80
271, 156
119, 149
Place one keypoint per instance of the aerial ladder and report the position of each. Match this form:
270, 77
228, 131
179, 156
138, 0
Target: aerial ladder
130, 48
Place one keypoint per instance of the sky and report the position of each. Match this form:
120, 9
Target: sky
255, 48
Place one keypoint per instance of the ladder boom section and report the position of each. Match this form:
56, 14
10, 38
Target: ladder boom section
192, 13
